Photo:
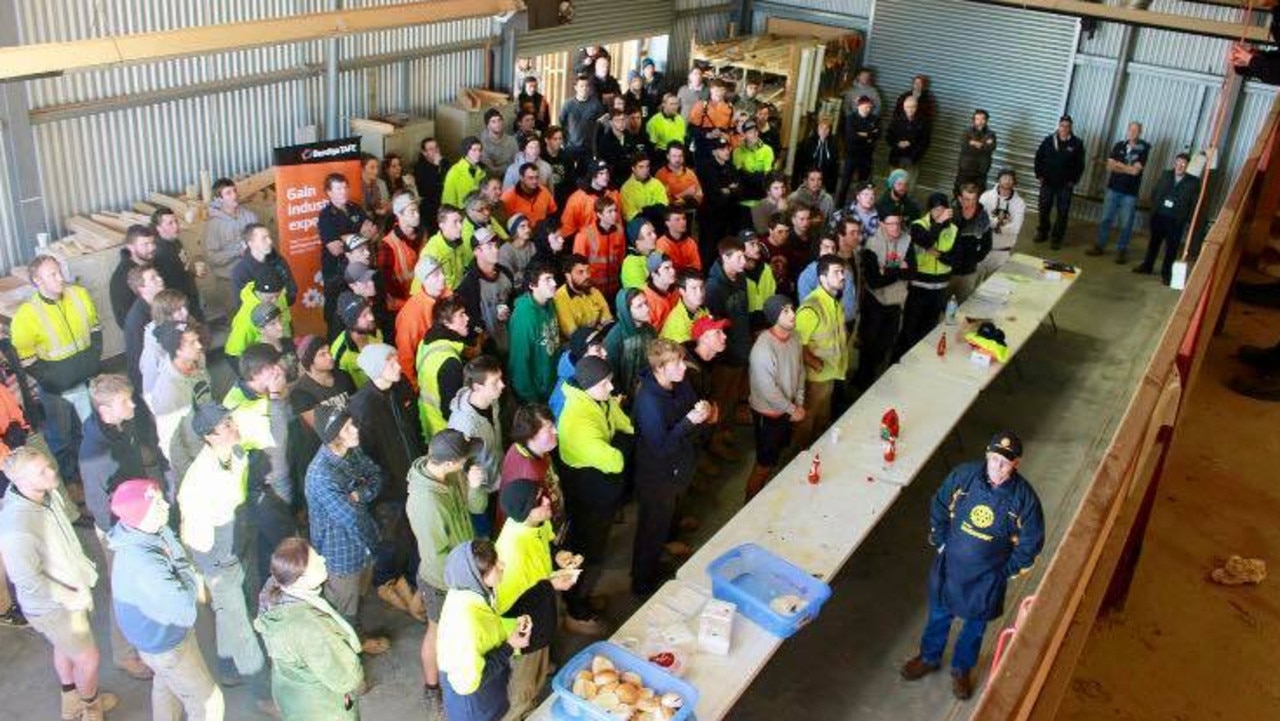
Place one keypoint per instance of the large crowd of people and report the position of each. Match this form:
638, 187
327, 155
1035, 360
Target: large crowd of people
566, 319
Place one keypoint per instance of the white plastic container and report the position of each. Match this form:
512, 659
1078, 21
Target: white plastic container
715, 627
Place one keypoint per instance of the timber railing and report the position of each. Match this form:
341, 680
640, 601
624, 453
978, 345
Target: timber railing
1095, 560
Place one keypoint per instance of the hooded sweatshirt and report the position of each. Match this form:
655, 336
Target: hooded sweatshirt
153, 588
564, 374
43, 557
315, 663
222, 244
728, 299
487, 426
110, 456
439, 511
535, 341
587, 428
627, 345
474, 656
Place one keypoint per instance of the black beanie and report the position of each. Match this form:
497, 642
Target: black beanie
590, 371
518, 498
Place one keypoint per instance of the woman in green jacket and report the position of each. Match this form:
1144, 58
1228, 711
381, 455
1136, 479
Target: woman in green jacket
315, 654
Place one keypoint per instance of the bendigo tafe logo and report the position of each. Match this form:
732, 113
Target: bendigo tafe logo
311, 154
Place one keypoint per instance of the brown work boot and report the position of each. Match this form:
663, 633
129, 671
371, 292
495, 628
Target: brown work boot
387, 592
375, 645
418, 608
678, 549
756, 481
71, 705
135, 668
917, 668
962, 685
96, 709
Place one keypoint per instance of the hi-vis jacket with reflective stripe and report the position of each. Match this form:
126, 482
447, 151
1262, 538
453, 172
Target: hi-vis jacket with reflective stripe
60, 341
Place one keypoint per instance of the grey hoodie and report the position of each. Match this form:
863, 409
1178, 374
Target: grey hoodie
439, 513
472, 424
222, 245
44, 559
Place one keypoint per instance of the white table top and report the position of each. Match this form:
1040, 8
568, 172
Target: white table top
818, 527
1030, 302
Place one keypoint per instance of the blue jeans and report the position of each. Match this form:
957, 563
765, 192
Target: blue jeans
1124, 206
938, 628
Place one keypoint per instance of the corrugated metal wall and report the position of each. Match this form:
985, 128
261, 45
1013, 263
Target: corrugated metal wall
694, 21
8, 239
597, 22
1171, 85
1026, 60
108, 160
853, 14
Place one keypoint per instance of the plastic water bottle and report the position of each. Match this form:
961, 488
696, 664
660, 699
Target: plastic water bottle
952, 308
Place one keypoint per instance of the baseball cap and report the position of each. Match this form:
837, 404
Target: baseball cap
266, 279
1007, 444
749, 125
483, 236
353, 241
359, 273
207, 416
655, 261
425, 266
705, 324
264, 313
330, 420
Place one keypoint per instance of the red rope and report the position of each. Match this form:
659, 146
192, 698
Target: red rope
1219, 116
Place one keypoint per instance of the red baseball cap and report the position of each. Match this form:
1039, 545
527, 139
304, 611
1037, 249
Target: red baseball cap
707, 323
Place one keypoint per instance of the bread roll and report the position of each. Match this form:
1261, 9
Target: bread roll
632, 678
585, 675
628, 693
647, 704
601, 663
605, 677
606, 701
584, 688
646, 692
672, 700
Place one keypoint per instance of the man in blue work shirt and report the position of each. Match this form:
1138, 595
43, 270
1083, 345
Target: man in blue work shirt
987, 525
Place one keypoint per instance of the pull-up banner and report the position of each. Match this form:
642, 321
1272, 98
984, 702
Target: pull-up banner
300, 196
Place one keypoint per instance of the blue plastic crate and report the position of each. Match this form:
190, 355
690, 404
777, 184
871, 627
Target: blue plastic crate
571, 706
751, 577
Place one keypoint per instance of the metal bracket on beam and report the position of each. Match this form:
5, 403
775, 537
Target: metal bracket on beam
1140, 18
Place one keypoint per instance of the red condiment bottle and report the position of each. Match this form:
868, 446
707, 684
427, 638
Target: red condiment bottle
942, 344
815, 469
890, 451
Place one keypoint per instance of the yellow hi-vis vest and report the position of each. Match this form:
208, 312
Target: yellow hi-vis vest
431, 356
54, 331
829, 340
927, 265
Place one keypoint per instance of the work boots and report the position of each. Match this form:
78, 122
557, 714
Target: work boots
917, 668
962, 685
95, 709
756, 481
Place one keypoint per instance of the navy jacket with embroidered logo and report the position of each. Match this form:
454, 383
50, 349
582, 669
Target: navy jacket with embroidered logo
987, 535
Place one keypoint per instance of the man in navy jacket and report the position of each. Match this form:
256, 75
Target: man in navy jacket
988, 527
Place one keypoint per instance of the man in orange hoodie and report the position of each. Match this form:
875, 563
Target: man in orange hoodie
414, 319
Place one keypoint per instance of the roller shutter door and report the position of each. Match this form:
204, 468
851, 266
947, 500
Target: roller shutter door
1013, 63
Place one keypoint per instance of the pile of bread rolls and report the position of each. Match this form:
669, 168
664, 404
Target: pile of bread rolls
623, 695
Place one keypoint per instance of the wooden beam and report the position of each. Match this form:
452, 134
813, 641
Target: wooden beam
1140, 18
24, 61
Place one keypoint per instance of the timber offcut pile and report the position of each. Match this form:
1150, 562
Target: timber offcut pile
96, 232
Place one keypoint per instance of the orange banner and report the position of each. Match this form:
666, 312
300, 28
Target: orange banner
300, 196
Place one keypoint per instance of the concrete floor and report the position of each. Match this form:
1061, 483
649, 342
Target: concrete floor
1064, 398
1183, 647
